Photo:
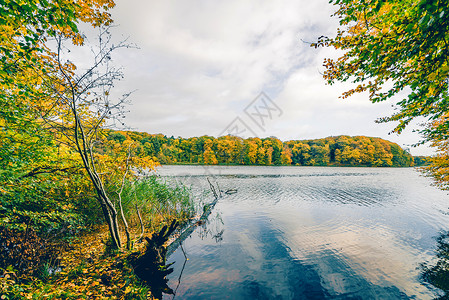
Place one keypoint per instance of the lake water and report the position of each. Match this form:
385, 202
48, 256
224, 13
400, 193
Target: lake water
310, 233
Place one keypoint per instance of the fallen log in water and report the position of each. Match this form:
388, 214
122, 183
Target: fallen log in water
150, 266
207, 209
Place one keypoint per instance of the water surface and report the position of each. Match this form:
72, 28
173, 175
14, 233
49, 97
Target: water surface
311, 233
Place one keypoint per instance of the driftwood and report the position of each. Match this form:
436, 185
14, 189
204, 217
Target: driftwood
207, 209
150, 267
231, 191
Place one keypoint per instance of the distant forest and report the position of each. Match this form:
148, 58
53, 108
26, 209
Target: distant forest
232, 150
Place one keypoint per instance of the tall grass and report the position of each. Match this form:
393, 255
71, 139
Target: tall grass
157, 201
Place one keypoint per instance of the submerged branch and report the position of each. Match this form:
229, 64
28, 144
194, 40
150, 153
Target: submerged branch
207, 210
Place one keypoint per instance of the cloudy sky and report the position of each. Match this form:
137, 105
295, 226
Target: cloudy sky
201, 64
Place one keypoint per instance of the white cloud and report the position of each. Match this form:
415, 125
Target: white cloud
200, 63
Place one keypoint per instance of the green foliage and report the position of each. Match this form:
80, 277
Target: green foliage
44, 205
41, 182
340, 150
42, 186
118, 137
421, 160
30, 258
45, 195
398, 49
394, 49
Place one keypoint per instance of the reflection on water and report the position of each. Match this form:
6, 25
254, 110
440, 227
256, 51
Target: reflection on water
437, 273
311, 233
212, 228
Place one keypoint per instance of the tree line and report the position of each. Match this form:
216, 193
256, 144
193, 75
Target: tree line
208, 150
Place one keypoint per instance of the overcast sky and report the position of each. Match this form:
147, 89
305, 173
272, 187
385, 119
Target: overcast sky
202, 63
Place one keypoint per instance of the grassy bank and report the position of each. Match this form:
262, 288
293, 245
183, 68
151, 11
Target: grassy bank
83, 266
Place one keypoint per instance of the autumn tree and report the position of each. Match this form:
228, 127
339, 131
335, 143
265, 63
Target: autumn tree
286, 156
301, 154
209, 157
250, 151
321, 154
394, 48
34, 165
80, 106
398, 50
44, 88
438, 168
277, 151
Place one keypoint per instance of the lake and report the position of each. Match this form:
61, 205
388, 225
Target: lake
310, 233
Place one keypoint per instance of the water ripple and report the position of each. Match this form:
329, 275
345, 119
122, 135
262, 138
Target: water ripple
314, 233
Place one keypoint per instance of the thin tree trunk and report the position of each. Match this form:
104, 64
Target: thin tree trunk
84, 147
122, 214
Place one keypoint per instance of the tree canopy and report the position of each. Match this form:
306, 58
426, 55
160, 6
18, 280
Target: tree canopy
394, 49
330, 151
398, 49
39, 174
53, 114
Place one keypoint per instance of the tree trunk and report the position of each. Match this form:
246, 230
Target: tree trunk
151, 266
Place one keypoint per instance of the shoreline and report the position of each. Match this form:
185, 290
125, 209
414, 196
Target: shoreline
277, 166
